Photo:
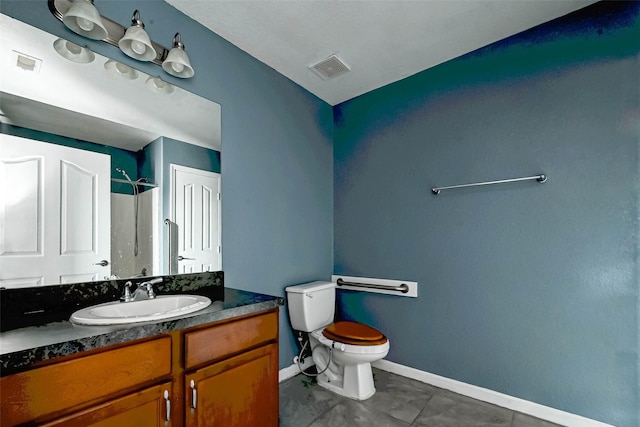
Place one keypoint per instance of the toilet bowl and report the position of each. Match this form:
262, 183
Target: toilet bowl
349, 373
342, 351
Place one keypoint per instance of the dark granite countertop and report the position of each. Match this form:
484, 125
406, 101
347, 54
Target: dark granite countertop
26, 347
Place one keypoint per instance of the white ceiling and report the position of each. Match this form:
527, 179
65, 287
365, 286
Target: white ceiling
382, 41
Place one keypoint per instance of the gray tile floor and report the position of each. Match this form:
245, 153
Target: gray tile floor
398, 402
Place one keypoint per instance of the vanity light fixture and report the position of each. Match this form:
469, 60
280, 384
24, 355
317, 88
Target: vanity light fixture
177, 62
83, 18
136, 42
73, 52
117, 69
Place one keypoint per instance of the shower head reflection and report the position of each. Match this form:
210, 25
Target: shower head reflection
123, 172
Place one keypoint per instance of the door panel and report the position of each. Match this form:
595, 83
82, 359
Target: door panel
207, 200
22, 202
187, 208
79, 218
76, 278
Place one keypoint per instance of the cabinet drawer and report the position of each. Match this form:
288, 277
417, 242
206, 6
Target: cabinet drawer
217, 342
34, 394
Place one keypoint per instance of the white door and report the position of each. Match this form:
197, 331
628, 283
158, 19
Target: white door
54, 213
195, 208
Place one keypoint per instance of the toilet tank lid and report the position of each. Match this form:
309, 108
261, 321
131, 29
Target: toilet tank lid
310, 287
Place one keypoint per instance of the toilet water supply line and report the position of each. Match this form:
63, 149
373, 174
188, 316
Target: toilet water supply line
300, 357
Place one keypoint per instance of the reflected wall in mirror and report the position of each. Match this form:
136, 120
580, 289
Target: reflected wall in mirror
142, 128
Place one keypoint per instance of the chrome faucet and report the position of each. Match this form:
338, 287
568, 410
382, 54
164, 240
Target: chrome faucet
143, 291
126, 293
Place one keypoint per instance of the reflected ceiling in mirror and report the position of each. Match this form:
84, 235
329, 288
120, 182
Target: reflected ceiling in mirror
95, 101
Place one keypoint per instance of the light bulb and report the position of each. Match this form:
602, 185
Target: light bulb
138, 47
121, 68
85, 24
73, 48
158, 83
177, 67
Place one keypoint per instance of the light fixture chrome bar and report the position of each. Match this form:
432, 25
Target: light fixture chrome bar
115, 31
404, 288
540, 178
124, 181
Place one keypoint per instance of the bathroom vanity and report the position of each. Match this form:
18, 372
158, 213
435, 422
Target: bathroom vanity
215, 367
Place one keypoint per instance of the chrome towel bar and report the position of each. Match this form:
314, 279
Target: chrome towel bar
404, 288
540, 178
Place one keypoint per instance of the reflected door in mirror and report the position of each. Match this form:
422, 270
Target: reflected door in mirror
54, 213
196, 211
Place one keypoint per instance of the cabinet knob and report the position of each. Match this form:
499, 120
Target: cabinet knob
194, 394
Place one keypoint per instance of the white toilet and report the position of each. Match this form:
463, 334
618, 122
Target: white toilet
347, 347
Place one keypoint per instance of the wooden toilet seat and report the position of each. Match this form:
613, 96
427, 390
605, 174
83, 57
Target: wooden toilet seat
354, 333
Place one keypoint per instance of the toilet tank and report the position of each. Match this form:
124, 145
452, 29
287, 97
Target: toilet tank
311, 305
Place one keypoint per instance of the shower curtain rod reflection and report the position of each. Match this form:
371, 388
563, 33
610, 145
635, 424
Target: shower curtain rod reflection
124, 181
540, 178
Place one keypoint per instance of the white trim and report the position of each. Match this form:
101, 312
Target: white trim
515, 404
288, 372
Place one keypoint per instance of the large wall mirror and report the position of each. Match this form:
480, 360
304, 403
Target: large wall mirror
105, 171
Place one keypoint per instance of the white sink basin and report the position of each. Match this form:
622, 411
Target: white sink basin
161, 307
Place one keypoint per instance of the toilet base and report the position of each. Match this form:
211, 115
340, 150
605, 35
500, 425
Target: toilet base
356, 383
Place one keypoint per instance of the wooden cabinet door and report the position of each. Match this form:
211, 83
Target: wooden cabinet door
144, 408
241, 391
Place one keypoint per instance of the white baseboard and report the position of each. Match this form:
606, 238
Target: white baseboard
515, 404
288, 372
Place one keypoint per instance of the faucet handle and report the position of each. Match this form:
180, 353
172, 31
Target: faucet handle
150, 292
126, 293
148, 286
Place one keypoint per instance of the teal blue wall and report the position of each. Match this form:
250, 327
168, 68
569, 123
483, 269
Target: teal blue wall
120, 158
150, 161
527, 289
277, 208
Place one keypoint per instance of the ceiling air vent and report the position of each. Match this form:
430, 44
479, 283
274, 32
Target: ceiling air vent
330, 67
26, 62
